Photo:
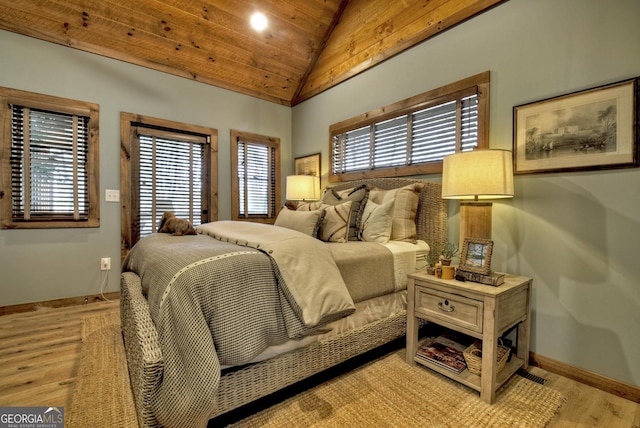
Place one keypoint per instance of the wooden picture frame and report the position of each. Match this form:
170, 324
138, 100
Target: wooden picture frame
592, 129
307, 165
476, 256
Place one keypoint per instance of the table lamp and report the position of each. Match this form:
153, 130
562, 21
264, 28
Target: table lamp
303, 188
476, 177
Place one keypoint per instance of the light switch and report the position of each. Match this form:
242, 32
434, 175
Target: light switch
112, 195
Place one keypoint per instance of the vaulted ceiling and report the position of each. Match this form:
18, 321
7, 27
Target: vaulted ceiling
308, 47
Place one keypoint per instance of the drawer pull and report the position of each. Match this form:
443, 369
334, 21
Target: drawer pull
446, 307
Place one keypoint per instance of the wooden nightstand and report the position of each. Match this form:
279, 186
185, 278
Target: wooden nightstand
481, 311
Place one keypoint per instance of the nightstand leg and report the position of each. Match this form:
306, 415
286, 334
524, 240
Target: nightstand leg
489, 352
412, 323
524, 333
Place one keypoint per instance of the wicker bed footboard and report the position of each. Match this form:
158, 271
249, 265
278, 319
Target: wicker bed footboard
144, 357
254, 381
261, 379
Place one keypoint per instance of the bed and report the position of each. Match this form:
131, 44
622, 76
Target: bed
182, 375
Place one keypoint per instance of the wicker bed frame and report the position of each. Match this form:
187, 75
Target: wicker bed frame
239, 387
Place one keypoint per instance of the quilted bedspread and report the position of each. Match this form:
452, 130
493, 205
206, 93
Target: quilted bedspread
223, 296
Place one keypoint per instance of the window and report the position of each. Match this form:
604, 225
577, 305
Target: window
49, 162
168, 166
412, 136
255, 163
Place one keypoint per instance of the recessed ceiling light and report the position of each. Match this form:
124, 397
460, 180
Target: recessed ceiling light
258, 21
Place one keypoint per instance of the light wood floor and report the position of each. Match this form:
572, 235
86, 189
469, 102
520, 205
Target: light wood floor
39, 354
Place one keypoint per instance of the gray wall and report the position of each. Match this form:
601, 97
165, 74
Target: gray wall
575, 233
39, 265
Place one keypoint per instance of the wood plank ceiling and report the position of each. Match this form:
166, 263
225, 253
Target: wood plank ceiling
308, 47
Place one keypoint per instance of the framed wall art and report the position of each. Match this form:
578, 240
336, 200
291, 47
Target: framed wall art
476, 256
592, 129
307, 165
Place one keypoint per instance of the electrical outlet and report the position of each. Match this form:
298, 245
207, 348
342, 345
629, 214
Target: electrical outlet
105, 263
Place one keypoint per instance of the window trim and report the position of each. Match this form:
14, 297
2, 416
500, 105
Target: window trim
477, 84
128, 123
235, 198
60, 105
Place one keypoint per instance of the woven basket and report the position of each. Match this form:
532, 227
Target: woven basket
473, 357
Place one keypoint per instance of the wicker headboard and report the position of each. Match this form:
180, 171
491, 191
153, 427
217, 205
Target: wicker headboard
431, 217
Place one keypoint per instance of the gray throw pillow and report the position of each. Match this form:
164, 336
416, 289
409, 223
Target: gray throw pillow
358, 197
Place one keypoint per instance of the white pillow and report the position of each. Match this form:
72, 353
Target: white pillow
376, 221
306, 222
403, 227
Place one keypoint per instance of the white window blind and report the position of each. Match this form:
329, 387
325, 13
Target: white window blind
469, 123
49, 156
414, 138
170, 178
256, 179
390, 143
351, 150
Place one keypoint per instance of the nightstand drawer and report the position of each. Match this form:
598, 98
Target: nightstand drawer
449, 308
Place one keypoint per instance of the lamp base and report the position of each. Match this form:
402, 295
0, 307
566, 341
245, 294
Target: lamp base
475, 220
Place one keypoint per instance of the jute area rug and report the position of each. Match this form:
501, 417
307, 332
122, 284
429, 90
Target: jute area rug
102, 395
390, 393
386, 392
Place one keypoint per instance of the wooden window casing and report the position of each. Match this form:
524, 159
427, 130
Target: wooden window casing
410, 137
255, 177
165, 166
56, 140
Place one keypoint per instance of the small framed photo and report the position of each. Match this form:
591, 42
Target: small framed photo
307, 165
476, 256
587, 130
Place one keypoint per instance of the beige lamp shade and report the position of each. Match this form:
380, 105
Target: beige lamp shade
303, 187
475, 175
478, 174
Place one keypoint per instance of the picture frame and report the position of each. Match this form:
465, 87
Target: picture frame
593, 129
476, 256
307, 165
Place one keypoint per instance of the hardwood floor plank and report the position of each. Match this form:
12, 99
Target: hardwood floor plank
36, 357
636, 418
47, 374
52, 340
51, 394
10, 332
